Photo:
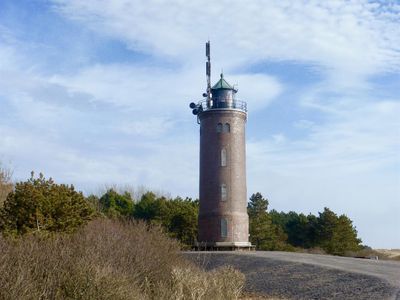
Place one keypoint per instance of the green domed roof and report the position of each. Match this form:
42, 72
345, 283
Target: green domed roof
222, 84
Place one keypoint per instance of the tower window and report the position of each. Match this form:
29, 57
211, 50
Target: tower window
226, 128
219, 127
223, 192
223, 157
224, 228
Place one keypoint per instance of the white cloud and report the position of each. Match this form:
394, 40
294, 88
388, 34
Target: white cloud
158, 90
150, 127
353, 38
258, 90
135, 87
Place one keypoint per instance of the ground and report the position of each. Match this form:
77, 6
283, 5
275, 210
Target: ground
309, 276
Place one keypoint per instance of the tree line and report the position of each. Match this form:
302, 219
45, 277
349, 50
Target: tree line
39, 204
287, 231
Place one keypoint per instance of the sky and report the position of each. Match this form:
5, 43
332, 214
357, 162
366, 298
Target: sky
96, 93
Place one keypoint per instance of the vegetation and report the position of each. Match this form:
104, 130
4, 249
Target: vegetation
177, 216
292, 231
114, 204
108, 259
57, 244
5, 184
325, 233
39, 204
264, 234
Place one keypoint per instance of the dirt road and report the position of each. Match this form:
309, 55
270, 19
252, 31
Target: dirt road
309, 276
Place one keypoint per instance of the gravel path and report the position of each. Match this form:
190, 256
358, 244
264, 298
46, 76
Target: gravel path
307, 276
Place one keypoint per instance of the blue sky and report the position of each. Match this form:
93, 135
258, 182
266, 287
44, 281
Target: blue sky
96, 93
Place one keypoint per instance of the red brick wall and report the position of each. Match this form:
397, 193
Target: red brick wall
212, 175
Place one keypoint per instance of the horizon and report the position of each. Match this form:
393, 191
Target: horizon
97, 93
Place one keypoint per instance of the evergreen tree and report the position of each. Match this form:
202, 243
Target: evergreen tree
344, 237
296, 228
114, 204
42, 205
183, 220
147, 208
299, 228
257, 205
325, 228
278, 218
336, 235
177, 216
312, 228
263, 233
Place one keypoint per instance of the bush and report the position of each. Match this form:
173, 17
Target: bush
39, 204
107, 259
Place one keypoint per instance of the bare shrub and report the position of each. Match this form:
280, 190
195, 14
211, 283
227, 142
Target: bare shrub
5, 183
107, 260
60, 267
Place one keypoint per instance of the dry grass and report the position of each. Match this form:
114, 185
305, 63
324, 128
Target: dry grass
108, 260
5, 183
382, 254
392, 254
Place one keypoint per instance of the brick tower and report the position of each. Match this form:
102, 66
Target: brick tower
223, 220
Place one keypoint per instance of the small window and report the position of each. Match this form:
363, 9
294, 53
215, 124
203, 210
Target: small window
223, 157
224, 228
219, 127
226, 128
223, 192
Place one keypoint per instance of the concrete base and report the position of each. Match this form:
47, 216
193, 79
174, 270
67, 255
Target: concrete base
224, 246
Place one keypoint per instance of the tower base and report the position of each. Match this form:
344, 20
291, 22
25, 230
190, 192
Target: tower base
223, 246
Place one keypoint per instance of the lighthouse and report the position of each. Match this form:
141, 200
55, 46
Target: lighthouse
223, 221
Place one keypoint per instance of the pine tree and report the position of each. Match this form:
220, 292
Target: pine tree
336, 235
344, 237
42, 205
114, 204
263, 233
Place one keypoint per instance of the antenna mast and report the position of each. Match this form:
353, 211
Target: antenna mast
208, 73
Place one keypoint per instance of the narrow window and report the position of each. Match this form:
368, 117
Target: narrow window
226, 128
223, 157
224, 228
223, 192
219, 128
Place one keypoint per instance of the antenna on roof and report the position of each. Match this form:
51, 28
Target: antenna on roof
208, 73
